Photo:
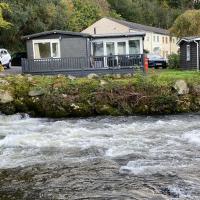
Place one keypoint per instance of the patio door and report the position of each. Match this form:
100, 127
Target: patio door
121, 50
110, 48
121, 47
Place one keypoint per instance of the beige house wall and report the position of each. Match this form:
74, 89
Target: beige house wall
154, 42
104, 26
163, 45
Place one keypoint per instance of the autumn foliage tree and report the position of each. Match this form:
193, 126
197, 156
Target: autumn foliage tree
187, 24
3, 23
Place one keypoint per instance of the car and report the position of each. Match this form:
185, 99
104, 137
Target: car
16, 58
156, 61
5, 58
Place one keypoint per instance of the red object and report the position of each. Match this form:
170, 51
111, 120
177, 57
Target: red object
146, 64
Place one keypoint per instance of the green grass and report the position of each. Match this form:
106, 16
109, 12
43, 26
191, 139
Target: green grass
175, 74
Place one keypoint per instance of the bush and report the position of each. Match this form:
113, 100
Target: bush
1, 68
174, 61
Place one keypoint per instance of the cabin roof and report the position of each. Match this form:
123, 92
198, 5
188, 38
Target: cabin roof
70, 33
114, 35
189, 39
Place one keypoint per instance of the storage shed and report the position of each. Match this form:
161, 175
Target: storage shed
190, 52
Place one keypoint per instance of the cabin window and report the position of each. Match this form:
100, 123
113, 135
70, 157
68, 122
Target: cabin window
110, 48
46, 49
98, 49
134, 47
188, 53
121, 48
55, 50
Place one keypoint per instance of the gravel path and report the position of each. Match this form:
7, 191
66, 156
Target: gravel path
12, 70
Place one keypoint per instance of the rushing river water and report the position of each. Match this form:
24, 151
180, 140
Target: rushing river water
100, 158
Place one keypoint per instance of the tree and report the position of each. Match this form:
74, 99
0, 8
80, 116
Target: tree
154, 13
187, 24
30, 17
84, 14
3, 23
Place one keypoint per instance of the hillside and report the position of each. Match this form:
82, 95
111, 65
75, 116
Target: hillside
29, 17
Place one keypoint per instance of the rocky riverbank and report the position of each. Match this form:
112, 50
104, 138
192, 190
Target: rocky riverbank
67, 96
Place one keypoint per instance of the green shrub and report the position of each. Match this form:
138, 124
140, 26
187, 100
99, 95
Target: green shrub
174, 61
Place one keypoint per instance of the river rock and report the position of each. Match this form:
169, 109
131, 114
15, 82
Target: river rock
128, 75
71, 77
103, 82
181, 87
3, 82
117, 76
35, 93
197, 88
92, 76
5, 97
29, 78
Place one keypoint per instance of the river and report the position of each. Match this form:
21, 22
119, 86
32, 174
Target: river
153, 158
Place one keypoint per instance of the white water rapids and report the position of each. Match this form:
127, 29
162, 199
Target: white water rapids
149, 145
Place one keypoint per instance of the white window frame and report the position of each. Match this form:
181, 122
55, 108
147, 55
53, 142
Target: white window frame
116, 40
188, 53
51, 41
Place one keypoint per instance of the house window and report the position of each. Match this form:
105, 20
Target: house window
98, 49
158, 39
46, 49
154, 38
134, 47
110, 48
166, 40
188, 53
163, 40
121, 48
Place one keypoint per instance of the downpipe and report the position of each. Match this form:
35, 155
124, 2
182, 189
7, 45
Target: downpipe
197, 55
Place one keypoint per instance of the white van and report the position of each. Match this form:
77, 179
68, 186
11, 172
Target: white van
5, 58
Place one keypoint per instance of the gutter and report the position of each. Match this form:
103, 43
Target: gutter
197, 55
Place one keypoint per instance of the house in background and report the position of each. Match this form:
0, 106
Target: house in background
190, 52
79, 54
157, 40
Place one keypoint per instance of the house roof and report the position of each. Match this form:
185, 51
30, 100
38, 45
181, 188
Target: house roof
189, 39
36, 35
140, 27
114, 35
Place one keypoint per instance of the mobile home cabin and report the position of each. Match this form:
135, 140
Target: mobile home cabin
74, 53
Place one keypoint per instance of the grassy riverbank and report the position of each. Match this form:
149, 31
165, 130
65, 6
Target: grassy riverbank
60, 96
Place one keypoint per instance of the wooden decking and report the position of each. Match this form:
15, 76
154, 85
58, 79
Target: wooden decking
82, 66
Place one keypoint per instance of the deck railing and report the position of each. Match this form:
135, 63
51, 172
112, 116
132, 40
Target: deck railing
62, 65
130, 60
